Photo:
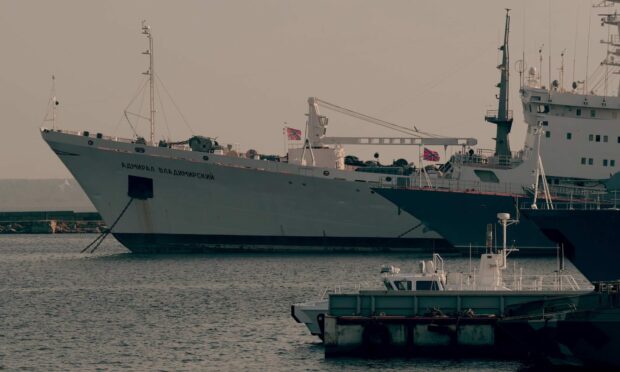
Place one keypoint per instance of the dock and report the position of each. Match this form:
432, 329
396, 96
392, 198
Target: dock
502, 324
50, 222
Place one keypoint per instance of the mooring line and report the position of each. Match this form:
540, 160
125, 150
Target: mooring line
97, 242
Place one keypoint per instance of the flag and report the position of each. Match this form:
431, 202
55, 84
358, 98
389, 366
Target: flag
293, 134
430, 155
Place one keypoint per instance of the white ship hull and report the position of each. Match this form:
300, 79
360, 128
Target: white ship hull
233, 203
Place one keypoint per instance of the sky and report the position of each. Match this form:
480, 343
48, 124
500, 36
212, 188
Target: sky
242, 70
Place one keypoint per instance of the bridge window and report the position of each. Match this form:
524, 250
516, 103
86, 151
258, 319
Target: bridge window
578, 112
612, 163
583, 161
426, 285
548, 134
604, 162
590, 161
569, 136
605, 138
592, 113
486, 176
598, 138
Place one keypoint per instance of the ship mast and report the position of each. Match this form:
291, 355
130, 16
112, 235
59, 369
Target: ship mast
503, 116
146, 30
613, 42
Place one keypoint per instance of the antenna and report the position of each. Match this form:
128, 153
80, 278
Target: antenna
146, 30
540, 61
53, 102
562, 70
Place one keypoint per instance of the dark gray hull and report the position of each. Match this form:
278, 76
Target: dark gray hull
190, 243
461, 217
590, 238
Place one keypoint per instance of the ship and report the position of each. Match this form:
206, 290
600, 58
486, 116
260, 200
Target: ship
574, 131
585, 233
197, 195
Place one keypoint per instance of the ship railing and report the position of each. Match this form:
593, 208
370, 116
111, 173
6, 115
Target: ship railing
345, 288
552, 282
520, 282
487, 158
571, 198
94, 135
448, 184
493, 115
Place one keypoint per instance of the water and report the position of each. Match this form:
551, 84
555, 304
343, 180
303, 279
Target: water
62, 310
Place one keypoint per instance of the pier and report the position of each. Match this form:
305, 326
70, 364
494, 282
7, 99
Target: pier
468, 323
50, 222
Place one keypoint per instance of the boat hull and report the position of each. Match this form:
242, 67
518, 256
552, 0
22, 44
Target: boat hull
462, 217
590, 238
195, 202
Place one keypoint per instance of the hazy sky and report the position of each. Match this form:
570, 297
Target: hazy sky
239, 69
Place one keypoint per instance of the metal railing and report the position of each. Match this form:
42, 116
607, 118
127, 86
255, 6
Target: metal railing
494, 115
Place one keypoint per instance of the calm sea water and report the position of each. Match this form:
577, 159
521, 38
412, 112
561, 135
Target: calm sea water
62, 310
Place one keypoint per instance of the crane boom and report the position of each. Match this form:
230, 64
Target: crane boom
317, 129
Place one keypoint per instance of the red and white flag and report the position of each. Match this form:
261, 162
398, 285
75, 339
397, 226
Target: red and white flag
293, 134
430, 155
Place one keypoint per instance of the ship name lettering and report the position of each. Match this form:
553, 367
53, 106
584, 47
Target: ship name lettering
169, 171
143, 167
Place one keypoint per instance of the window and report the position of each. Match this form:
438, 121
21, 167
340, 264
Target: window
604, 162
530, 108
426, 285
544, 123
618, 139
592, 113
569, 136
543, 109
583, 161
590, 161
605, 138
578, 112
486, 176
547, 134
612, 163
403, 285
598, 138
591, 138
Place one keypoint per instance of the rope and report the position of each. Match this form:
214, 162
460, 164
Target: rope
175, 105
97, 242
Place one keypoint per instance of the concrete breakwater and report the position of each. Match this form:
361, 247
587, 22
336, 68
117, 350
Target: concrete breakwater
50, 222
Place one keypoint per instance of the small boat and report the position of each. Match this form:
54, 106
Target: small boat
432, 277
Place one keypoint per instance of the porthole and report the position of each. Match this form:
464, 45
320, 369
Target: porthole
139, 149
388, 179
205, 158
326, 173
90, 142
290, 182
